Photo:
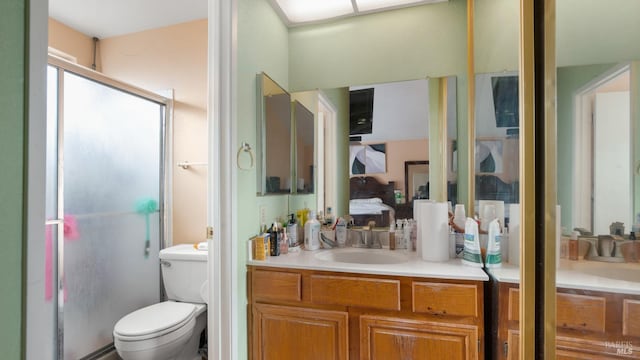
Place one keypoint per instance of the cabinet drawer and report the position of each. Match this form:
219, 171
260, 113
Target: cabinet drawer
631, 317
445, 299
355, 291
276, 285
571, 311
581, 312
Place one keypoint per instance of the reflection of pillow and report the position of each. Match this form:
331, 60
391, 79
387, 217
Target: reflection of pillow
367, 201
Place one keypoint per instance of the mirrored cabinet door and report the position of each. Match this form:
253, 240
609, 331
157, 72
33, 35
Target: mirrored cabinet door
274, 137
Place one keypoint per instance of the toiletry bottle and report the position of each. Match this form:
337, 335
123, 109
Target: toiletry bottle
392, 236
312, 233
406, 235
284, 242
274, 240
292, 231
260, 247
399, 235
573, 246
494, 254
341, 232
472, 254
459, 216
328, 217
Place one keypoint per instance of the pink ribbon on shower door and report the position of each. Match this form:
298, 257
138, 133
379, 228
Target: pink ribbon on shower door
70, 233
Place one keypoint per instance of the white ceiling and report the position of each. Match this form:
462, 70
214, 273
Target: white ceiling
107, 18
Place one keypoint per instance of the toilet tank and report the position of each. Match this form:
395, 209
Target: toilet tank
184, 273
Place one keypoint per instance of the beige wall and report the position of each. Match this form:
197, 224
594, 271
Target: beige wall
169, 58
397, 153
72, 42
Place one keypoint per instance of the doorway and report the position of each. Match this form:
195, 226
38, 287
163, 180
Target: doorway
602, 149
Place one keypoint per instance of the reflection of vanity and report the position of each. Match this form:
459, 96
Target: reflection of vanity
598, 317
413, 310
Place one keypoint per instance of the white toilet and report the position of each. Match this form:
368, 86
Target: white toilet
171, 329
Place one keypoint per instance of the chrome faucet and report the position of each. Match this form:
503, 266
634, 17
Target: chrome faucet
604, 248
610, 248
630, 254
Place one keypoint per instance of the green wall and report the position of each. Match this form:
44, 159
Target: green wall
12, 163
404, 44
496, 32
262, 46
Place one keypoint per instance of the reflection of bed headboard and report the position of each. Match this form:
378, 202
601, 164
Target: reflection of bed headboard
369, 187
491, 187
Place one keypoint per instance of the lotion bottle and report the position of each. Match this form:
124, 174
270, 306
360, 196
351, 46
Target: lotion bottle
312, 233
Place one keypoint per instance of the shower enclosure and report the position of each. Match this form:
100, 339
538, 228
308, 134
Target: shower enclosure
105, 206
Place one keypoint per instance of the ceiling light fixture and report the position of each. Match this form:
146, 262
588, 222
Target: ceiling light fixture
303, 11
377, 5
299, 12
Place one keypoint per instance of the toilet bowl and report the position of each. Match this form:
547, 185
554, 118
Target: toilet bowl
169, 330
161, 332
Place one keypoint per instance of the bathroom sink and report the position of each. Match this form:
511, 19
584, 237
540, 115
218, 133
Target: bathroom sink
617, 274
623, 272
362, 256
614, 271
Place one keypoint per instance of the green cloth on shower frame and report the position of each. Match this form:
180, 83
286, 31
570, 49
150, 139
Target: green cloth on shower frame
145, 207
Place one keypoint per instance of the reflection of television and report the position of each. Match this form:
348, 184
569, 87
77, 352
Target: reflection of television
505, 100
360, 111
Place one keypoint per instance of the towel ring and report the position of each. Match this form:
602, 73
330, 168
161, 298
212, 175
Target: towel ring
245, 147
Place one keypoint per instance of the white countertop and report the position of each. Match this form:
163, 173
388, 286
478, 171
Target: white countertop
408, 264
621, 278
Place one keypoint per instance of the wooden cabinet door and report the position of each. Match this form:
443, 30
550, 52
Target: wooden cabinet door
511, 351
576, 349
284, 332
387, 338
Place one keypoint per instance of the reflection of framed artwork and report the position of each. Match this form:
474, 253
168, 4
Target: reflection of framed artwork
367, 159
416, 179
489, 159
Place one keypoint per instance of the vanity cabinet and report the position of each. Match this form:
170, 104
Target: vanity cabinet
590, 324
311, 314
383, 337
285, 332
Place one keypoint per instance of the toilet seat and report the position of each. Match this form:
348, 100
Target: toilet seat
154, 321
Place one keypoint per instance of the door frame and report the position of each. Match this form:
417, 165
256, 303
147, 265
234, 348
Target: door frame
327, 158
223, 312
582, 171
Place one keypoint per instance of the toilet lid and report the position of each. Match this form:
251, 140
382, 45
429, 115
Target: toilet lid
154, 320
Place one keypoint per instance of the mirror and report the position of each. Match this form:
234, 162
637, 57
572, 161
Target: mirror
392, 130
273, 137
497, 139
588, 51
304, 148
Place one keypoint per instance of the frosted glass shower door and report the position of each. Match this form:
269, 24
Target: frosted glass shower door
112, 195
